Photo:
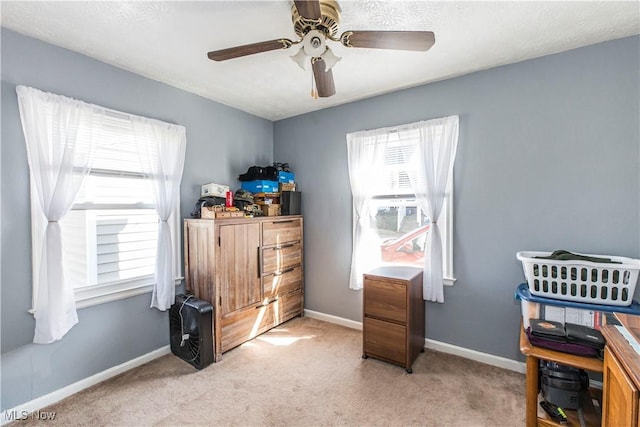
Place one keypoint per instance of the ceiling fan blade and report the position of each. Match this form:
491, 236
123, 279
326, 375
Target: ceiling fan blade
249, 49
324, 79
309, 9
401, 40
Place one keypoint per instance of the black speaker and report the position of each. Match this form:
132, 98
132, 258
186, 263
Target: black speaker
190, 329
290, 202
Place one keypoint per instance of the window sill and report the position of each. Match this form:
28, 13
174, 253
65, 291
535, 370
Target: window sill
95, 295
449, 281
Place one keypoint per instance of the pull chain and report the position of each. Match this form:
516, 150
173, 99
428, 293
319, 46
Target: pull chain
314, 92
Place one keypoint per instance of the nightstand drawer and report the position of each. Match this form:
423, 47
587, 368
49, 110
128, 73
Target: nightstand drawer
385, 340
385, 300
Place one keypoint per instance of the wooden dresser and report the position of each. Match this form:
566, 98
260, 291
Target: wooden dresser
393, 315
249, 269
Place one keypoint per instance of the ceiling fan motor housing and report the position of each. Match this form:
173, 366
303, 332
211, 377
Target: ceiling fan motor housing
327, 24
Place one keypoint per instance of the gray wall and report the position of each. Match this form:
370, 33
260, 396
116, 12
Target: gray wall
548, 158
221, 143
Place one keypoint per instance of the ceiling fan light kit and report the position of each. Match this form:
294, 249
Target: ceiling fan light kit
313, 43
330, 59
315, 22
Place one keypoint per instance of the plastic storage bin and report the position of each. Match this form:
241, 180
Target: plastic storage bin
533, 307
260, 186
583, 281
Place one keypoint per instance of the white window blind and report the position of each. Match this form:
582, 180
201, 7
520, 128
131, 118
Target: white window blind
111, 232
398, 164
126, 244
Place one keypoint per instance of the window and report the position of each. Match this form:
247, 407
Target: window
396, 218
102, 183
110, 235
399, 176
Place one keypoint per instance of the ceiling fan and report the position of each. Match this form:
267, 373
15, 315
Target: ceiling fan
316, 22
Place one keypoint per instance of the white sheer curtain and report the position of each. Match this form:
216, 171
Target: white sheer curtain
434, 162
58, 162
162, 147
364, 151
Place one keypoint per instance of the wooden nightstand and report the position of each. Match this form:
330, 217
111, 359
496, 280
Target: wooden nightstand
393, 315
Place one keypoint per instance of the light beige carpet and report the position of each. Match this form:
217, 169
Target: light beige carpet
303, 373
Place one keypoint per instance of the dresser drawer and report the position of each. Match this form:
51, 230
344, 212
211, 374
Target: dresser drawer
282, 282
242, 325
280, 258
281, 231
385, 340
385, 300
289, 306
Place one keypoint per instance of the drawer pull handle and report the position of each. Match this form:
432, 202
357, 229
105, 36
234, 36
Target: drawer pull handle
277, 248
283, 221
288, 270
267, 303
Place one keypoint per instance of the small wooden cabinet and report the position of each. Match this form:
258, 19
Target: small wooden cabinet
393, 315
250, 270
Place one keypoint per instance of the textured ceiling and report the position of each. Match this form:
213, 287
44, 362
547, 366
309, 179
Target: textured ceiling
168, 42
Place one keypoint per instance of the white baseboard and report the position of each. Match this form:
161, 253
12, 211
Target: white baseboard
333, 319
489, 359
23, 410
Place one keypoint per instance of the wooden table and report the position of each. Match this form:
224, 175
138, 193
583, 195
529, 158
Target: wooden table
534, 355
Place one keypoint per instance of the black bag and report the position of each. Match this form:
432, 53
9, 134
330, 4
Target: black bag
206, 201
568, 338
547, 329
270, 173
253, 173
584, 335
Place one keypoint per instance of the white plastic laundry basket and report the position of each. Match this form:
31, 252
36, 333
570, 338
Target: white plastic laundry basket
582, 281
